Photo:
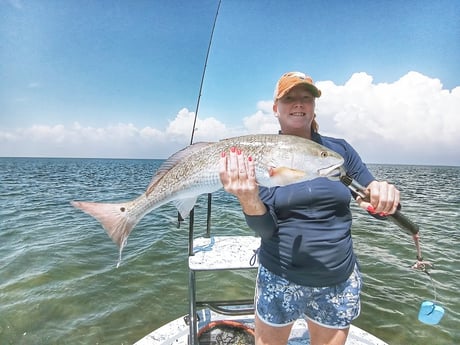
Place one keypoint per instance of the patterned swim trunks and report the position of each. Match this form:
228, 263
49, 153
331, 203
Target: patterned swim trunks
280, 302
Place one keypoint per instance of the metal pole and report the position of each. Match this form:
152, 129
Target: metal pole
193, 327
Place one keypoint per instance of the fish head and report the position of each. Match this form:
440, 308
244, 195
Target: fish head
294, 159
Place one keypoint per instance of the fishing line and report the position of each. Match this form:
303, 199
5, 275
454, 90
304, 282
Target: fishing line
430, 312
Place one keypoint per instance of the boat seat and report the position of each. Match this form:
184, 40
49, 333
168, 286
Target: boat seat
224, 253
216, 253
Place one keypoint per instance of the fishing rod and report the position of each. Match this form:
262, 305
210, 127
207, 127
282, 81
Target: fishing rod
404, 223
193, 322
430, 312
208, 216
204, 72
179, 217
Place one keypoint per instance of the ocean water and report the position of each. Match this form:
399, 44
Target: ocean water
59, 283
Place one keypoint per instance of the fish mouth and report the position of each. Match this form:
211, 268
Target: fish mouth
332, 172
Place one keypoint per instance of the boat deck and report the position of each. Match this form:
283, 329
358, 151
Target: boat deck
230, 253
177, 331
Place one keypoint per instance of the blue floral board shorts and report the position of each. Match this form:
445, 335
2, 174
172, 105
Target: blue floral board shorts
280, 302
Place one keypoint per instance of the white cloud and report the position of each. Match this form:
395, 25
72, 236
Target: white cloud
263, 121
412, 120
209, 129
119, 140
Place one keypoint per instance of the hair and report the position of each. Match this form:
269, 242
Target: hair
314, 125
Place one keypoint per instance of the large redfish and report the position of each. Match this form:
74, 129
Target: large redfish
279, 160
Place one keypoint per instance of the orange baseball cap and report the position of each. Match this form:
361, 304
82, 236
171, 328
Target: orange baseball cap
291, 79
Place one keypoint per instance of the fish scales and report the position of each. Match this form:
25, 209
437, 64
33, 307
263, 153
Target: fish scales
279, 160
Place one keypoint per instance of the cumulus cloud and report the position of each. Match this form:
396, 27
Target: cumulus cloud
114, 141
263, 121
413, 120
209, 129
410, 121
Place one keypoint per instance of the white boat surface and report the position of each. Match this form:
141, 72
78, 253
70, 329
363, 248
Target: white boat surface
177, 332
229, 253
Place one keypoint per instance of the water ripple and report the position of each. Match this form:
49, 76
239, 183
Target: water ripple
59, 283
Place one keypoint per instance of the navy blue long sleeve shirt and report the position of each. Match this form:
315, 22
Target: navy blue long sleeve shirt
306, 232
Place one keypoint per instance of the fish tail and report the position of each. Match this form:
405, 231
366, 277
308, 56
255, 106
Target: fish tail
113, 217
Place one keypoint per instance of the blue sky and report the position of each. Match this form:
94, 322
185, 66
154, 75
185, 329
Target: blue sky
121, 78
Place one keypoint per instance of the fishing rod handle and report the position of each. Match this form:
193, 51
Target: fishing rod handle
398, 218
404, 223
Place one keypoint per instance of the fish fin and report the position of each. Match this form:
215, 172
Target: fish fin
282, 176
113, 217
172, 161
184, 206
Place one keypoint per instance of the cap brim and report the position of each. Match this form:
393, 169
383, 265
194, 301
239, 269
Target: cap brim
310, 87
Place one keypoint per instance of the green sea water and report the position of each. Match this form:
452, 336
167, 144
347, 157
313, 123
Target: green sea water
59, 283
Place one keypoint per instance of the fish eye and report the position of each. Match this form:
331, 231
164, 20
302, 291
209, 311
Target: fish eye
323, 154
